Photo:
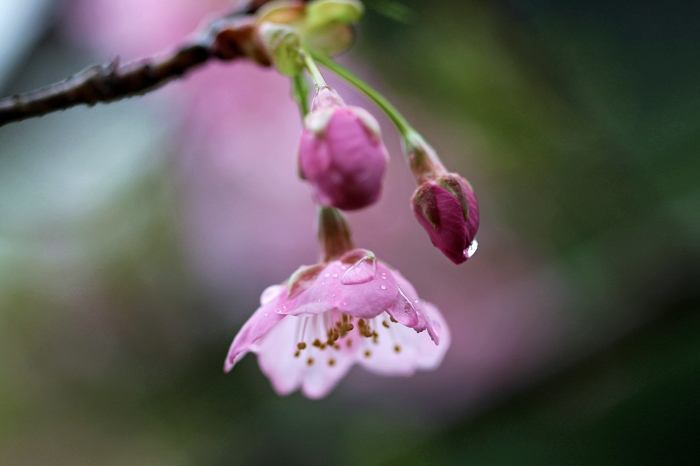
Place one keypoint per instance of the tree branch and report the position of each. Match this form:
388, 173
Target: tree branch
227, 38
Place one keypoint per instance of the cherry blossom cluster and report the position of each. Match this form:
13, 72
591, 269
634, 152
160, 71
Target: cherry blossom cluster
350, 307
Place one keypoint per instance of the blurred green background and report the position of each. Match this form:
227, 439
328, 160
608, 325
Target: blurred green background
584, 119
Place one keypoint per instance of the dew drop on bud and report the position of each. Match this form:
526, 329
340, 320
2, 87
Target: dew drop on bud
471, 250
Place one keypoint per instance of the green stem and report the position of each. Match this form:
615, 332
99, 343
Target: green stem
315, 73
300, 91
401, 123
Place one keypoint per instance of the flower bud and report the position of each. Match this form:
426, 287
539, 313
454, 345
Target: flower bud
341, 153
446, 207
283, 46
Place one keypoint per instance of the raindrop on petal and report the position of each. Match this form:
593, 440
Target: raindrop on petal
362, 271
403, 310
383, 287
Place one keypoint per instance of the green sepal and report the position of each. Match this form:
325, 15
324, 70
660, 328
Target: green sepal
457, 190
302, 278
424, 201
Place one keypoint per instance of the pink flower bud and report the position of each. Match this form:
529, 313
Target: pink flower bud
341, 153
446, 207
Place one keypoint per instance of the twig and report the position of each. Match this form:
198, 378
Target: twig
227, 38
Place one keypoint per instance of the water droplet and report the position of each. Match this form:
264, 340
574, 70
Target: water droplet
335, 275
404, 311
415, 300
471, 250
362, 271
344, 267
384, 277
383, 287
328, 274
266, 314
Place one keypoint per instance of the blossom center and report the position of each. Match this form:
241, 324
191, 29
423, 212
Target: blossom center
337, 334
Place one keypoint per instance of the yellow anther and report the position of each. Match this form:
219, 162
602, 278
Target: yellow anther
296, 354
331, 362
368, 353
301, 345
310, 361
393, 320
397, 348
385, 323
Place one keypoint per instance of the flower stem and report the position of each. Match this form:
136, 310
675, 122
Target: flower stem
300, 92
422, 159
401, 123
315, 73
334, 235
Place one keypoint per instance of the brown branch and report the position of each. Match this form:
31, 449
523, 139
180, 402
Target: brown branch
227, 38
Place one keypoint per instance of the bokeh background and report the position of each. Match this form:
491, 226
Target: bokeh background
136, 238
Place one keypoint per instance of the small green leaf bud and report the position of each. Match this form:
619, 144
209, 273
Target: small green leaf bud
283, 45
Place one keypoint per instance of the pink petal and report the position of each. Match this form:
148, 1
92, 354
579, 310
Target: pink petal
365, 300
264, 319
276, 357
432, 352
287, 373
399, 310
417, 351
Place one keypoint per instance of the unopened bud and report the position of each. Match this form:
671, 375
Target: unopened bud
447, 208
341, 153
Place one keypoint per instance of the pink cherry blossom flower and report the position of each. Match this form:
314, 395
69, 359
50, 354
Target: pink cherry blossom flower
446, 207
310, 331
341, 153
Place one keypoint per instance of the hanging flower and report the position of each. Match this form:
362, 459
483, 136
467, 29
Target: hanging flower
341, 153
309, 331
